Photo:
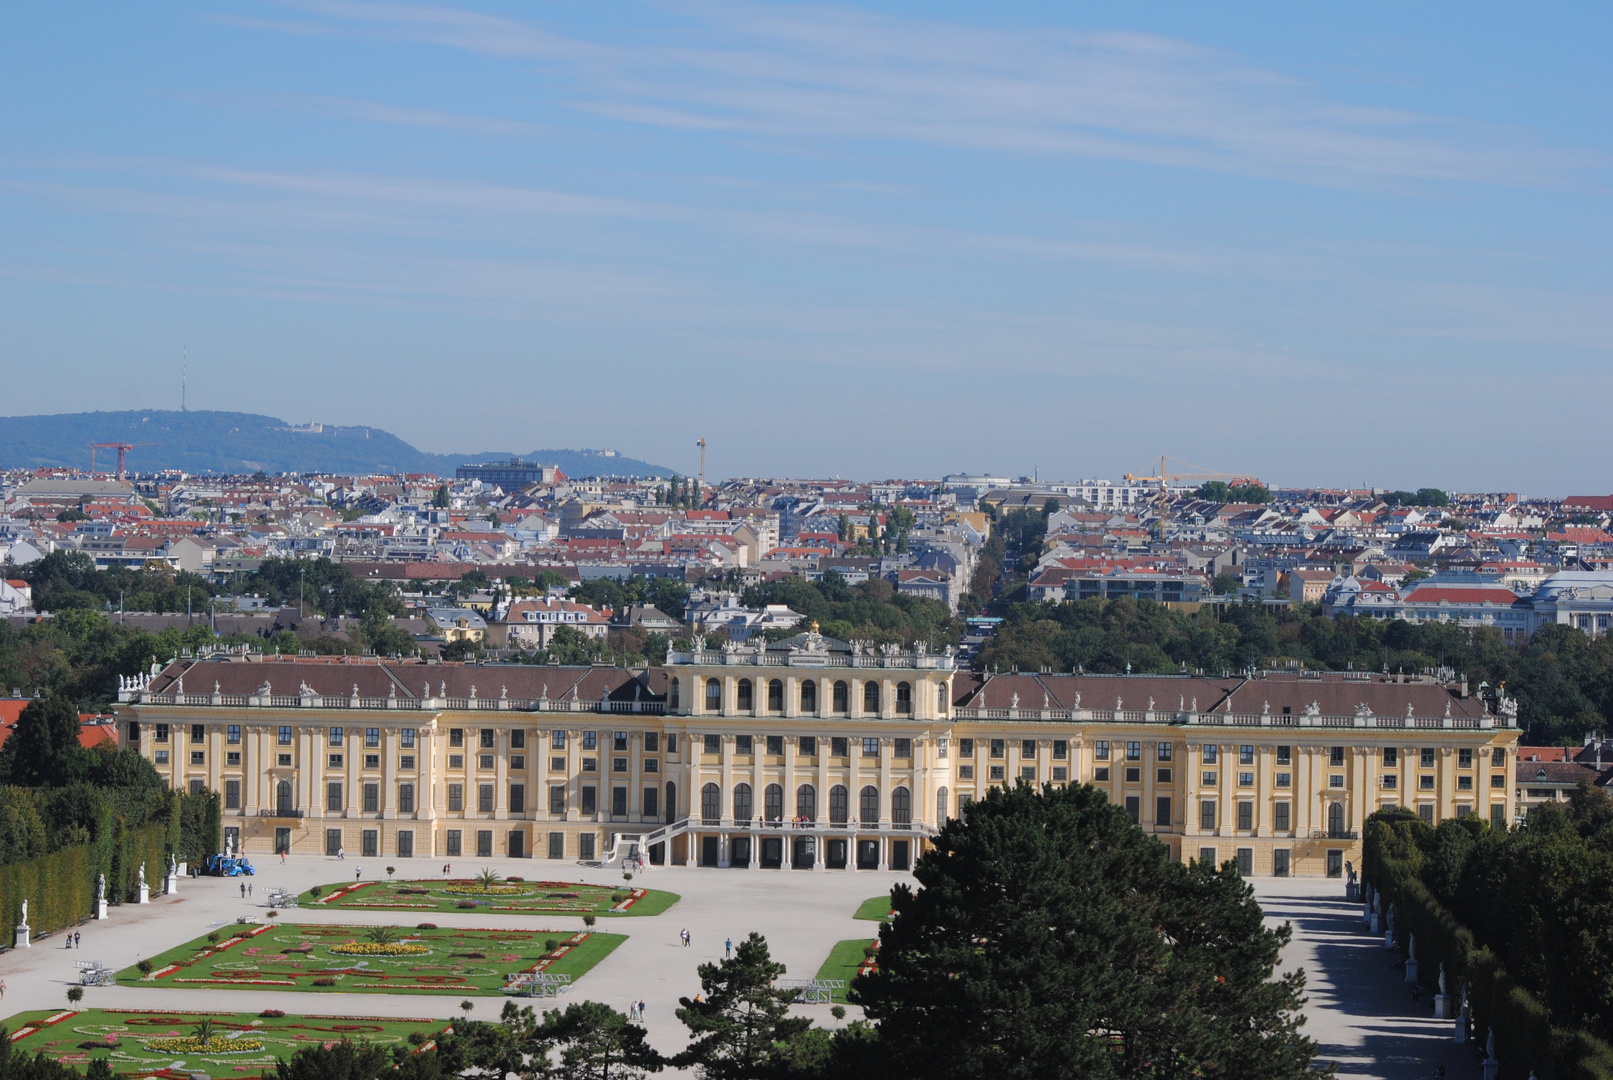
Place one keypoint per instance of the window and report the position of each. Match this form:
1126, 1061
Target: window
1210, 755
842, 698
1207, 815
712, 744
1100, 775
743, 744
486, 738
160, 733
198, 757
1498, 756
557, 799
1246, 816
1336, 780
198, 732
585, 846
1279, 862
372, 798
372, 761
457, 761
590, 740
1425, 782
1061, 774
903, 748
1464, 783
996, 748
672, 743
484, 761
333, 796
1134, 751
966, 748
652, 802
455, 842
284, 760
1162, 752
405, 844
1162, 776
1285, 779
713, 695
484, 798
744, 803
406, 737
1246, 779
1335, 756
1246, 755
809, 696
744, 701
372, 736
652, 742
1027, 772
1162, 810
1464, 758
773, 802
1498, 781
806, 802
966, 772
557, 740
232, 757
1428, 757
902, 808
871, 698
618, 764
456, 797
1391, 757
1134, 809
1426, 812
517, 762
1391, 782
1285, 755
868, 805
405, 798
775, 745
1027, 748
232, 734
1208, 779
775, 696
618, 802
161, 757
1279, 817
517, 798
807, 746
484, 842
456, 737
285, 736
369, 845
618, 741
196, 787
904, 699
232, 794
406, 762
1061, 750
590, 800
871, 748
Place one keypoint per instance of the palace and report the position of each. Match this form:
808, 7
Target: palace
807, 753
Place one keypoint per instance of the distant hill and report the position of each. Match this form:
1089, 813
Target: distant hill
230, 442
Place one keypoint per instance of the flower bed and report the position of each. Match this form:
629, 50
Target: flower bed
505, 897
460, 888
218, 1044
372, 948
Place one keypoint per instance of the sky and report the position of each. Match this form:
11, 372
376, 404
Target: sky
1318, 244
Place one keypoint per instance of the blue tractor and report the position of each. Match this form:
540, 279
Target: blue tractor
223, 866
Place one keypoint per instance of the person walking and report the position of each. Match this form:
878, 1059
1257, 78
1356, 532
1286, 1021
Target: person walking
2, 989
243, 890
341, 854
358, 872
282, 858
641, 1010
728, 948
77, 939
249, 890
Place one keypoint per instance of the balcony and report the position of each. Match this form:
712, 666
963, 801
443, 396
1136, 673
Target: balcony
283, 812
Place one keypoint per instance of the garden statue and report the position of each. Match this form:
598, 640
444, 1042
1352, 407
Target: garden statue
142, 875
24, 914
100, 888
1442, 977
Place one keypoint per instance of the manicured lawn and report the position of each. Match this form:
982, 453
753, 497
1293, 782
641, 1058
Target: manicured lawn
300, 956
429, 895
120, 1036
875, 908
845, 960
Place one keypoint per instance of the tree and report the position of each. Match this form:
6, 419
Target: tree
42, 749
344, 1060
740, 1022
440, 500
1053, 938
595, 1040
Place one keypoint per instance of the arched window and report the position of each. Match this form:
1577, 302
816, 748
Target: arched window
842, 699
282, 796
775, 696
672, 695
868, 808
671, 801
942, 809
904, 699
711, 804
870, 698
806, 802
838, 798
1335, 819
742, 802
773, 803
809, 696
901, 808
744, 703
713, 696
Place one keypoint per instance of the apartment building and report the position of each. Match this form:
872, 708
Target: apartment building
808, 753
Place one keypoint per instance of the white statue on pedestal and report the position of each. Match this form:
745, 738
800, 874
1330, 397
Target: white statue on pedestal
24, 922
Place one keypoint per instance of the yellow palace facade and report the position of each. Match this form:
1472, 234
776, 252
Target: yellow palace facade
808, 754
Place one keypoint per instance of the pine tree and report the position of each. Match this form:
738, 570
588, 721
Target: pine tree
40, 750
740, 1024
595, 1040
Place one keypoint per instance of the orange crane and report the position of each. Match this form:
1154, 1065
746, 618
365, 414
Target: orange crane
1162, 500
122, 448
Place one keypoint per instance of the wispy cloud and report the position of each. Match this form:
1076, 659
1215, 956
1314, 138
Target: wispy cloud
829, 73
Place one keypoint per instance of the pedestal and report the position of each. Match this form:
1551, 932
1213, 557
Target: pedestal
145, 894
1388, 939
1459, 1036
1350, 891
171, 886
1411, 971
1372, 925
1442, 1006
22, 937
100, 909
1492, 1068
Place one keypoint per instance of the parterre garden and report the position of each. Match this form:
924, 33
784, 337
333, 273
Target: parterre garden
382, 960
503, 896
165, 1044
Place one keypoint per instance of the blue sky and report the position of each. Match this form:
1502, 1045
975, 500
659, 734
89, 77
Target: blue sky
1317, 244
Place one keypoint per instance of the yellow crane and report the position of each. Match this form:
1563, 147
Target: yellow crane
1164, 478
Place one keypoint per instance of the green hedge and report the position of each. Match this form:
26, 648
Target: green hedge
1525, 1040
60, 887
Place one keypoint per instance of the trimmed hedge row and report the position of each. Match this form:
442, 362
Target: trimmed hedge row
60, 887
1525, 1040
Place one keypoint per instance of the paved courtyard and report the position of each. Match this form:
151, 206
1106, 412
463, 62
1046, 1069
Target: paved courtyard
1359, 1010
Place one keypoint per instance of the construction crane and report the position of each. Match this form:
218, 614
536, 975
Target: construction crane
1162, 499
122, 448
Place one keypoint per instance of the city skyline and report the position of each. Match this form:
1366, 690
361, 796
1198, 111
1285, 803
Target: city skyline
863, 241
